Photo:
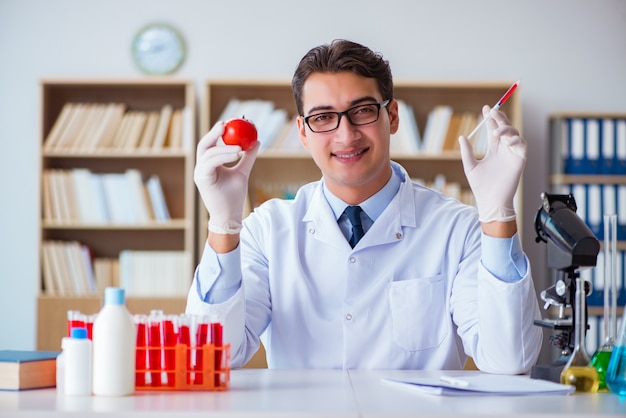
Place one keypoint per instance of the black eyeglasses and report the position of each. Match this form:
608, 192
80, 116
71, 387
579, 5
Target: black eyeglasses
358, 116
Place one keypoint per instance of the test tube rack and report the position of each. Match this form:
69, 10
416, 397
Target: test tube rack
212, 373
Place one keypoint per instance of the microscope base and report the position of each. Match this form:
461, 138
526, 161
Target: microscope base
551, 372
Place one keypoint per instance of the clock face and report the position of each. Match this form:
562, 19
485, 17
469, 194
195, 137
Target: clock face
158, 49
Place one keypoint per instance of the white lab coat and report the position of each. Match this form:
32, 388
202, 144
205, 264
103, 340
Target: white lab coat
412, 294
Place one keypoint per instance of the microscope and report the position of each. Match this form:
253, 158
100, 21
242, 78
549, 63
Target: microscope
571, 245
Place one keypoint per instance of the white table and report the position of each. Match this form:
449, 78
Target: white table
309, 393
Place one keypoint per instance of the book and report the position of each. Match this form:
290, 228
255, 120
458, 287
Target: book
157, 199
117, 195
70, 128
155, 273
576, 156
60, 124
117, 141
436, 128
84, 195
112, 121
176, 130
136, 128
139, 205
149, 131
22, 369
407, 139
482, 384
162, 132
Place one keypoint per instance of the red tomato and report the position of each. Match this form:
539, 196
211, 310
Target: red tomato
240, 131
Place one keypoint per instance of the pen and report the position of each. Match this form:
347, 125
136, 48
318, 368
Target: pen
454, 381
498, 105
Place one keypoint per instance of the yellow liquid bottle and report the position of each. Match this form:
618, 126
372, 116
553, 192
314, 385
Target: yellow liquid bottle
577, 371
583, 378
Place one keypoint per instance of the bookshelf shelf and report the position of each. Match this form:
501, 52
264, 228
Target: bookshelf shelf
558, 179
122, 154
171, 163
174, 224
293, 167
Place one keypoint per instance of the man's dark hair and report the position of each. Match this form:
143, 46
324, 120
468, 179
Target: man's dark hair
338, 56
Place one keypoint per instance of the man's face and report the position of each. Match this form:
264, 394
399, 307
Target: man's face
354, 160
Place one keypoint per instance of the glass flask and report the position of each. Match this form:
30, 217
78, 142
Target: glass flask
616, 372
600, 359
577, 371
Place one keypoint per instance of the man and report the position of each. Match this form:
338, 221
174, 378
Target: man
430, 282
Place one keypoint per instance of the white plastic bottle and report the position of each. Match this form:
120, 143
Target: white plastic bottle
77, 353
60, 371
114, 337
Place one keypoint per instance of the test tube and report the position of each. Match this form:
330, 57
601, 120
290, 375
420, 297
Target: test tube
170, 337
155, 345
184, 338
89, 320
217, 341
75, 319
141, 350
202, 334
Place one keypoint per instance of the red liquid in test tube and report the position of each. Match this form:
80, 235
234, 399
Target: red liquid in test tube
141, 350
216, 339
89, 320
75, 319
184, 338
202, 333
170, 338
155, 345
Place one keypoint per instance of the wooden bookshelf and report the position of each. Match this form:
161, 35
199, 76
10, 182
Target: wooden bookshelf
274, 166
579, 178
172, 164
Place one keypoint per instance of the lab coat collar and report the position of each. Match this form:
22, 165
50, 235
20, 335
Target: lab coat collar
388, 228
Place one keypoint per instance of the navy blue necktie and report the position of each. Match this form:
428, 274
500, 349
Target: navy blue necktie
354, 215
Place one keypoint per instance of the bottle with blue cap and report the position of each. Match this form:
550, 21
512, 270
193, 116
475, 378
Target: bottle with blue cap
114, 336
74, 364
77, 356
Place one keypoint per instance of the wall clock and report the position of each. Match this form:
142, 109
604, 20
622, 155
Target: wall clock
158, 49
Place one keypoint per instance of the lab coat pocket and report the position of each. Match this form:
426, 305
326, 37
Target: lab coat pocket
418, 312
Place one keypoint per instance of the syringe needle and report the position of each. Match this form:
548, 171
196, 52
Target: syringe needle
498, 105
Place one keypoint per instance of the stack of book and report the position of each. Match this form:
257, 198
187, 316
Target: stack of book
155, 273
89, 127
273, 124
444, 126
78, 195
69, 269
21, 369
590, 145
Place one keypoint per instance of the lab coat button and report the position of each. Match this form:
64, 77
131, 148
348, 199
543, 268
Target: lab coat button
352, 260
312, 231
348, 317
398, 235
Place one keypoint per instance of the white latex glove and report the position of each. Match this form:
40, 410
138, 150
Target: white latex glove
495, 178
223, 189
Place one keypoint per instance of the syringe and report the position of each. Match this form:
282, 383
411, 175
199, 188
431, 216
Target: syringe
498, 105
